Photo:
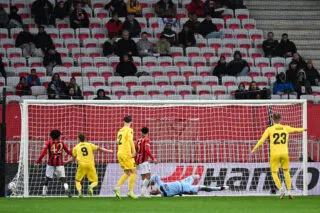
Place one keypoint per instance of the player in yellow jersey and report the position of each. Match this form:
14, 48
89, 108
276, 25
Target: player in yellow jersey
278, 135
126, 154
83, 152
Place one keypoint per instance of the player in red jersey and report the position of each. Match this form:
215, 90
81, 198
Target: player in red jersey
55, 164
143, 152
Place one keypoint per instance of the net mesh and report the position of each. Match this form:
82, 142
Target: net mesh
213, 141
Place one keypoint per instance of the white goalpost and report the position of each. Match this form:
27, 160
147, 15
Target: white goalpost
210, 138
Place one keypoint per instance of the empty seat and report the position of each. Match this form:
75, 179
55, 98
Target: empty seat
171, 71
198, 61
241, 34
178, 80
241, 14
232, 89
153, 90
18, 62
161, 80
119, 90
254, 71
176, 51
14, 52
278, 62
90, 43
128, 97
255, 34
184, 90
246, 80
130, 81
85, 62
168, 90
249, 24
233, 24
201, 43
262, 81
207, 53
215, 43
219, 90
191, 97
195, 81
137, 90
100, 61
146, 80
159, 97
7, 43
211, 80
150, 61
203, 90
262, 62
90, 71
204, 71
192, 52
66, 33
255, 53
114, 61
225, 97
115, 81
97, 81
106, 72
38, 90
226, 52
155, 71
229, 81
218, 22
229, 43
165, 61
188, 71
67, 62
269, 72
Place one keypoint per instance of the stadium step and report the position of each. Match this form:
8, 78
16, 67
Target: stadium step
289, 24
263, 14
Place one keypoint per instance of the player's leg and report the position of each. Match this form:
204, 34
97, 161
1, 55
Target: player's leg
285, 165
60, 172
49, 177
79, 176
274, 167
132, 179
93, 178
123, 178
145, 171
212, 188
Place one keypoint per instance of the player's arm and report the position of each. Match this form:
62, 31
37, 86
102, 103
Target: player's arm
65, 148
262, 140
148, 151
43, 152
101, 149
132, 146
73, 156
295, 130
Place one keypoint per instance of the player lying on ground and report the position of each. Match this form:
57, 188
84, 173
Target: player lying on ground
181, 187
143, 166
83, 152
125, 155
55, 164
278, 135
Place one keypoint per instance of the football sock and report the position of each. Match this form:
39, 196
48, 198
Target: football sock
132, 179
123, 178
210, 188
287, 179
276, 180
144, 186
66, 186
44, 190
78, 186
94, 184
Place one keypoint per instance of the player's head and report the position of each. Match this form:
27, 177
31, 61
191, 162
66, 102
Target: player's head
155, 191
81, 137
276, 118
127, 120
145, 130
55, 134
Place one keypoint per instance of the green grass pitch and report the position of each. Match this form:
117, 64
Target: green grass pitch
272, 204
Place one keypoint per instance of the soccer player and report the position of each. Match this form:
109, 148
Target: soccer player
278, 135
125, 155
55, 164
83, 152
181, 187
143, 152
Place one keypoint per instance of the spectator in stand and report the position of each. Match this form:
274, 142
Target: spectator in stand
210, 7
132, 26
51, 59
254, 92
241, 92
292, 72
286, 48
56, 88
126, 45
22, 87
79, 17
43, 40
73, 96
42, 11
169, 34
144, 46
186, 37
126, 67
282, 86
33, 79
14, 18
4, 18
302, 85
221, 69
101, 95
312, 74
114, 26
163, 46
193, 23
118, 6
25, 40
2, 70
301, 64
76, 88
61, 10
196, 7
238, 66
270, 46
166, 9
133, 6
208, 29
109, 47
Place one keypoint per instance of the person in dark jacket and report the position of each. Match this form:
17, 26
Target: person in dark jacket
312, 75
25, 40
126, 45
210, 7
196, 7
79, 17
302, 85
56, 88
43, 12
4, 18
286, 48
114, 26
221, 68
169, 34
292, 72
73, 96
118, 6
14, 18
301, 64
61, 10
208, 29
2, 70
282, 86
166, 9
76, 88
236, 4
270, 46
109, 46
126, 67
33, 79
51, 59
101, 95
193, 23
43, 40
241, 92
254, 92
22, 87
238, 66
132, 26
186, 37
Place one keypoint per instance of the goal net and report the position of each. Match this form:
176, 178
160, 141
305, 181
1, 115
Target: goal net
213, 139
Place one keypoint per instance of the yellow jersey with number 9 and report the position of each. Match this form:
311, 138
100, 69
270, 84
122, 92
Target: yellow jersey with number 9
125, 141
84, 152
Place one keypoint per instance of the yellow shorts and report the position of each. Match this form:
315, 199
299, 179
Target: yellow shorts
282, 159
126, 162
87, 170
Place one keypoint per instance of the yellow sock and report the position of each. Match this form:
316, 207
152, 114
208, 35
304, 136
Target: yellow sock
276, 179
94, 184
78, 186
123, 178
132, 179
287, 179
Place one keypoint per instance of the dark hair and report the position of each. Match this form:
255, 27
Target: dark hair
144, 33
145, 130
82, 137
55, 134
270, 32
284, 34
276, 117
127, 119
33, 69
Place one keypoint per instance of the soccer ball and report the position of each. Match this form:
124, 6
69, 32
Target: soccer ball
12, 185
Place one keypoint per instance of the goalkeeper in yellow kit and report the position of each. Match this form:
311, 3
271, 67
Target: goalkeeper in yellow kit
126, 154
279, 136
